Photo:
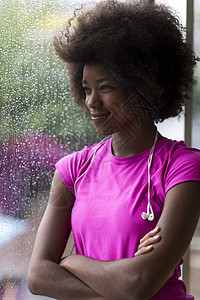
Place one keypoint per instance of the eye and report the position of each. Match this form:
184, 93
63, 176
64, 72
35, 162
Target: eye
87, 90
106, 88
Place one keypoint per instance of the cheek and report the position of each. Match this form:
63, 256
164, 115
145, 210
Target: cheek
122, 110
120, 103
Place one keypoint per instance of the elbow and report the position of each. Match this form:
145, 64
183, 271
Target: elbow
33, 285
33, 282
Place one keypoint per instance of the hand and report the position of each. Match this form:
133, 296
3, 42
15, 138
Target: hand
62, 261
146, 243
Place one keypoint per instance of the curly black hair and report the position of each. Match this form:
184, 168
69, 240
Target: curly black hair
141, 45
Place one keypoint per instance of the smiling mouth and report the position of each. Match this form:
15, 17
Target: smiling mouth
99, 116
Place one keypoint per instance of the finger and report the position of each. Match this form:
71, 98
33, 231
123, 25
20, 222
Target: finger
144, 250
62, 258
150, 234
149, 241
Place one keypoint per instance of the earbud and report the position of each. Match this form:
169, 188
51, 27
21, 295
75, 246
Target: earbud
145, 216
151, 217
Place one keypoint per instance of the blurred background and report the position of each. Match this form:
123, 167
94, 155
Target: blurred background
39, 124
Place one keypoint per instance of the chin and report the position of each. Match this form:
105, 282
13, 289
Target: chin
106, 131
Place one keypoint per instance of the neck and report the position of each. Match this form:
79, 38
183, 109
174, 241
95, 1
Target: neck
125, 144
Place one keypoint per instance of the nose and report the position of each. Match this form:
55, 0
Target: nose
93, 100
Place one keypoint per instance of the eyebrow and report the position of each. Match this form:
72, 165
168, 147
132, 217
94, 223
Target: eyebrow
98, 80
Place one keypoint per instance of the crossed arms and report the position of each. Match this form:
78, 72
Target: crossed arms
137, 278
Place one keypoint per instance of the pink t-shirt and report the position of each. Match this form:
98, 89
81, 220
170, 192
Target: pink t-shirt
112, 194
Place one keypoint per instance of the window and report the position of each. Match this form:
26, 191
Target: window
39, 124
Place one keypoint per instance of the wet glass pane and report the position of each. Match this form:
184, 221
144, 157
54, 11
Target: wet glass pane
38, 125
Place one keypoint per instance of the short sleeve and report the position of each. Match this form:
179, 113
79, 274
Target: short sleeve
183, 165
70, 167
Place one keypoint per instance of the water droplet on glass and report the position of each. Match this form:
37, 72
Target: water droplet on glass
39, 124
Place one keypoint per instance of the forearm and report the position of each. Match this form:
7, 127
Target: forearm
111, 279
54, 281
143, 276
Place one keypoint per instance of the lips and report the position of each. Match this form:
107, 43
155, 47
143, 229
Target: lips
99, 115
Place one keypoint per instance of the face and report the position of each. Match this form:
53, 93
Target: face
104, 99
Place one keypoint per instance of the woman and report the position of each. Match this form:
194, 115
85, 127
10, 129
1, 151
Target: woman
135, 195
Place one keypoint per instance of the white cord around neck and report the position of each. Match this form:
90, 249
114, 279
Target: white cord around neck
149, 215
99, 144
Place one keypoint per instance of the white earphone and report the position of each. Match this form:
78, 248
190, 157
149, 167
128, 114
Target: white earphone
149, 215
107, 137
